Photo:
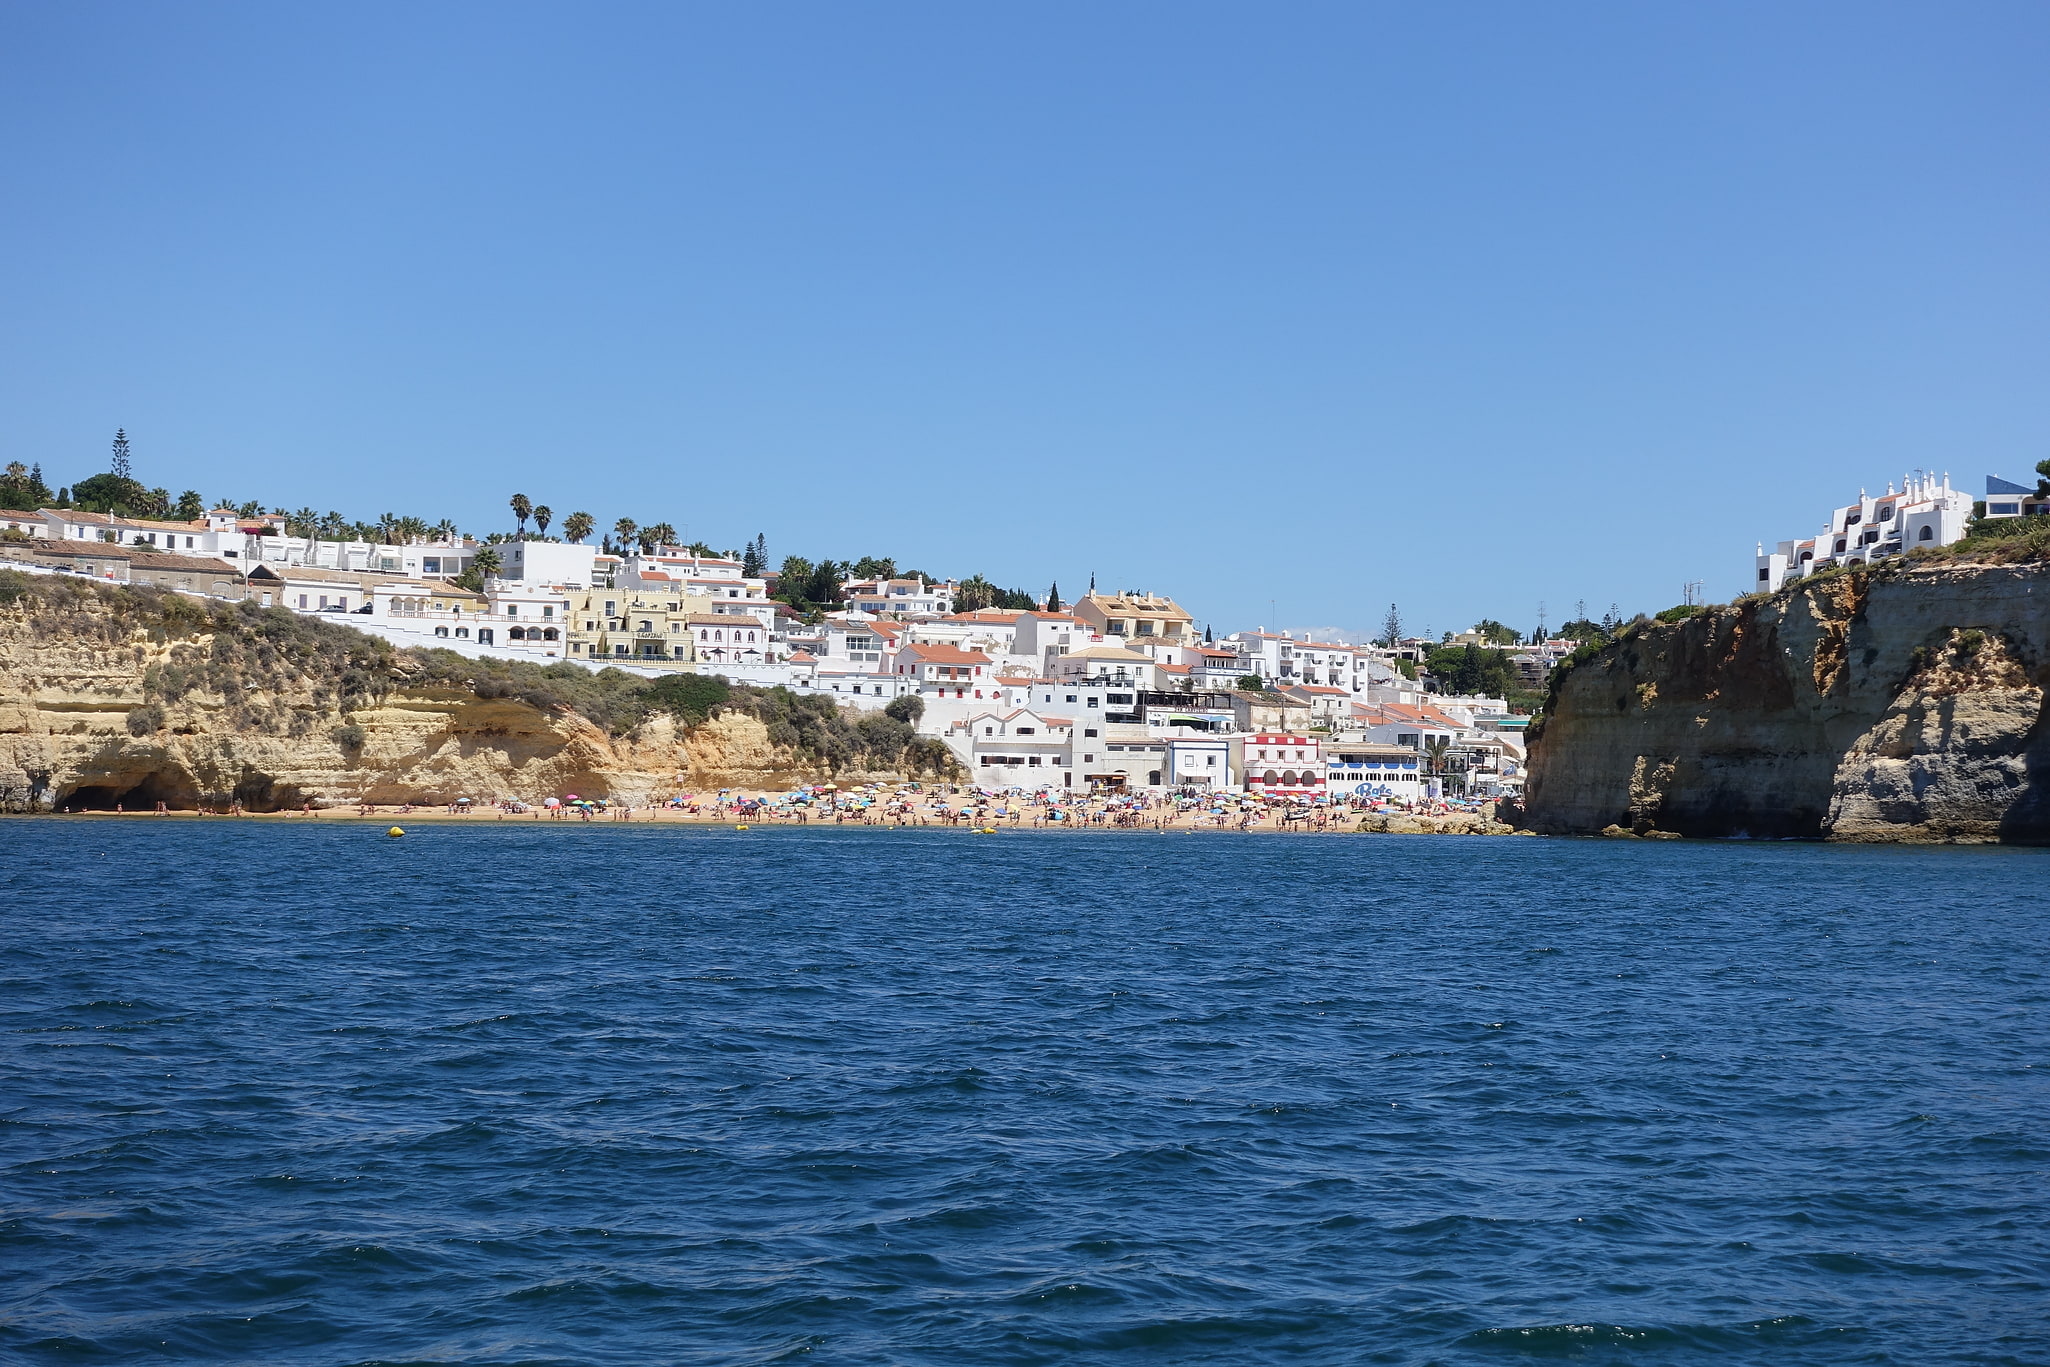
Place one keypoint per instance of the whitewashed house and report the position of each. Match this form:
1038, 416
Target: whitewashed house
1016, 747
1925, 512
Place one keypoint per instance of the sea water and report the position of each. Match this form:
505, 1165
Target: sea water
290, 1092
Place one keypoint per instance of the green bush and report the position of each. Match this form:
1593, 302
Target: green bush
240, 652
1682, 612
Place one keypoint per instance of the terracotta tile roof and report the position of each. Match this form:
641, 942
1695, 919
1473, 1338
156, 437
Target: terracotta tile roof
935, 653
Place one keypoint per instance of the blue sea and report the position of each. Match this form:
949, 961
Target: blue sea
278, 1093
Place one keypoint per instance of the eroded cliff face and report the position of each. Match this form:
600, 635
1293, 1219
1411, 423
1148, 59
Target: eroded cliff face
87, 720
1904, 705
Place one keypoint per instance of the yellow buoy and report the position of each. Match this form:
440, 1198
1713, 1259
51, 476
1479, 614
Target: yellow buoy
740, 828
395, 831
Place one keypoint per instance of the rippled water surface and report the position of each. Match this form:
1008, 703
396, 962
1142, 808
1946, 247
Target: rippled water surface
303, 1094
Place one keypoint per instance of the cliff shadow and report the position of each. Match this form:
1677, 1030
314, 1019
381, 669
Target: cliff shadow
2027, 819
170, 784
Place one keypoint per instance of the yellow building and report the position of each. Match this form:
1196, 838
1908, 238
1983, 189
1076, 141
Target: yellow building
635, 626
1136, 616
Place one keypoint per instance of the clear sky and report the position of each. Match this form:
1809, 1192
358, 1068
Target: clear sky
1468, 307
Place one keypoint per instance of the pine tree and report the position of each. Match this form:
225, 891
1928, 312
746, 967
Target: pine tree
120, 466
1391, 627
1053, 597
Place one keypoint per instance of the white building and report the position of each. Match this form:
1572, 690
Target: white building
1926, 512
1014, 748
2007, 499
1199, 762
726, 638
548, 562
914, 597
1040, 638
1358, 768
1107, 664
1283, 659
717, 579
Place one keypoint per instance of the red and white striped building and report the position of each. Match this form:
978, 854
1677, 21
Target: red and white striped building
1283, 765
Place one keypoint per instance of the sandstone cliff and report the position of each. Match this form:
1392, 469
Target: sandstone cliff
136, 697
1900, 704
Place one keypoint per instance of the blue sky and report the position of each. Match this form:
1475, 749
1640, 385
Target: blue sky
1463, 307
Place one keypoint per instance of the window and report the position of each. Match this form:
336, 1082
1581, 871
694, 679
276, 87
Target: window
1886, 513
512, 609
1998, 508
1026, 730
1089, 731
1839, 545
1764, 575
1927, 534
1071, 698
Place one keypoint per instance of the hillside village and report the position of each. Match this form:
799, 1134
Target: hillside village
1117, 691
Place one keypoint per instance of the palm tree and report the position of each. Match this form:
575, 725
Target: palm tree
543, 515
413, 529
577, 526
523, 508
445, 530
657, 536
624, 529
487, 562
1436, 748
304, 523
974, 592
388, 528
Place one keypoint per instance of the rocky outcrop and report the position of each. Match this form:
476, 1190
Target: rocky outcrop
1903, 704
1405, 823
102, 704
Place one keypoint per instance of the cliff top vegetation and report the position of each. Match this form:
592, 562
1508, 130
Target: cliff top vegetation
250, 657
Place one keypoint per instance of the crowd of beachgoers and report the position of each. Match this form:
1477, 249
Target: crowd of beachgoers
952, 805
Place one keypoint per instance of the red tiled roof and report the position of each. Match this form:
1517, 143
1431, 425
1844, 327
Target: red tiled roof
945, 654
